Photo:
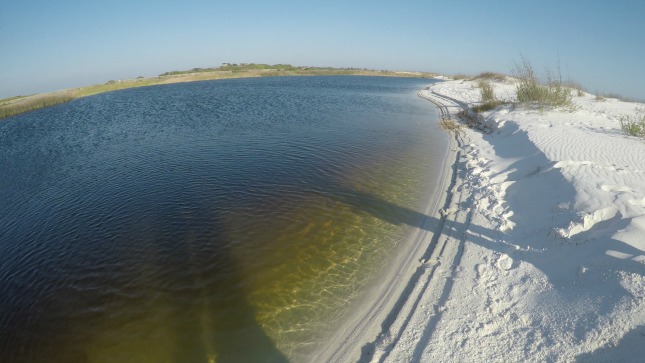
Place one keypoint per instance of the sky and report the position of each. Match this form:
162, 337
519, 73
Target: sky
50, 45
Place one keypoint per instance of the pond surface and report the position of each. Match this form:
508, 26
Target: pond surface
219, 221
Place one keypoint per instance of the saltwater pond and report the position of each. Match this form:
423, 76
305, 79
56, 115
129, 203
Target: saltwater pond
219, 221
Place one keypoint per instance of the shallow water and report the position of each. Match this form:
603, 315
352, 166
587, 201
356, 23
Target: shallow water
223, 221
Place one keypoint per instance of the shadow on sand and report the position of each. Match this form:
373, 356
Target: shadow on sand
557, 260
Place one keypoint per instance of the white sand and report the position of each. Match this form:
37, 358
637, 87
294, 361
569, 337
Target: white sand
541, 251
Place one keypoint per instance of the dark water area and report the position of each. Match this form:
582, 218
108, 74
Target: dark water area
218, 221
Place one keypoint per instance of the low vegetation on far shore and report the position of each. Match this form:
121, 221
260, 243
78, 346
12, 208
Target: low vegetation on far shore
20, 104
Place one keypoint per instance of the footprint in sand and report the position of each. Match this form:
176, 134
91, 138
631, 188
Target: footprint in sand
505, 262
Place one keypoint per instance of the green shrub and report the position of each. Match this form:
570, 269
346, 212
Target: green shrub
549, 93
634, 125
487, 92
491, 76
489, 101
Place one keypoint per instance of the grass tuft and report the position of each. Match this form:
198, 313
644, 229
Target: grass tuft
489, 101
634, 125
549, 93
487, 92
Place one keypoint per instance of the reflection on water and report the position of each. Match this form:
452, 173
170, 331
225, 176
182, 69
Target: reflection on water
224, 221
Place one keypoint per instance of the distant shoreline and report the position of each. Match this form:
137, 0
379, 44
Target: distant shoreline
21, 104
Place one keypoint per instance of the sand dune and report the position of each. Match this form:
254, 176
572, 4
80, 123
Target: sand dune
544, 253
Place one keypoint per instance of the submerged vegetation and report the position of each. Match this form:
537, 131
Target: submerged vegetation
20, 104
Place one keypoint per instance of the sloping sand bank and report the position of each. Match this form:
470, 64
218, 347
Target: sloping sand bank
538, 252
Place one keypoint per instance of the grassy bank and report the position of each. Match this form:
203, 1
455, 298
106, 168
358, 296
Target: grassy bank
20, 104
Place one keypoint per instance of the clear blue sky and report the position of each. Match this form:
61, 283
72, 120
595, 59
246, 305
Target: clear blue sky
48, 45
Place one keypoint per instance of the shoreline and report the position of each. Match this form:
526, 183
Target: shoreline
17, 105
366, 329
544, 258
539, 255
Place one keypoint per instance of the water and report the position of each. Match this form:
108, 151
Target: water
226, 221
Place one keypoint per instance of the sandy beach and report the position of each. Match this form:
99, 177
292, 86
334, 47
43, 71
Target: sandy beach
533, 247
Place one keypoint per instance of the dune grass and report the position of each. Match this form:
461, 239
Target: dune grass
489, 100
634, 125
487, 92
548, 93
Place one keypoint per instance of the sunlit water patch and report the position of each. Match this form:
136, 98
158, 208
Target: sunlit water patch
225, 221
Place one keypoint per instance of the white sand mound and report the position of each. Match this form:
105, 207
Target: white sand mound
553, 261
541, 250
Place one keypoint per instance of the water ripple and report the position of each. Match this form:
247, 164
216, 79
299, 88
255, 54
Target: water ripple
184, 222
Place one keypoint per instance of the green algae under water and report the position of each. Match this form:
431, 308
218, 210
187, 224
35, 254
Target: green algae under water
229, 221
